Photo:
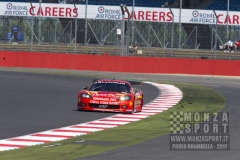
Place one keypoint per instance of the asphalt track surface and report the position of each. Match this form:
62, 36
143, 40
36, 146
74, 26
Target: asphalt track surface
153, 149
36, 102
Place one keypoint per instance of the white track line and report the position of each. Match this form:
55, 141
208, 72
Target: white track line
7, 148
130, 116
170, 96
80, 129
21, 143
29, 137
115, 119
93, 126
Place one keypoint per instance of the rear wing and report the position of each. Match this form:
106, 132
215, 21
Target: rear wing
95, 80
135, 83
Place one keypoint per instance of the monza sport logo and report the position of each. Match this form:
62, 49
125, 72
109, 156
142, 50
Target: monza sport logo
199, 131
101, 9
9, 6
195, 13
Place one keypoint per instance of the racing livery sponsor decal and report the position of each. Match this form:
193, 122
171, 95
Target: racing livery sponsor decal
104, 102
105, 94
130, 103
138, 97
114, 82
104, 99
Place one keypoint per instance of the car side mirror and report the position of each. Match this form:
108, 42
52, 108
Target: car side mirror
86, 87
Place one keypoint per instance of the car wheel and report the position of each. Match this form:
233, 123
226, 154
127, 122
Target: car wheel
79, 109
134, 108
141, 107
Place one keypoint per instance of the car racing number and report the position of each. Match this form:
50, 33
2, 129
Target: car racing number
103, 106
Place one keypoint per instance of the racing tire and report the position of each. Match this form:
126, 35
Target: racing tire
133, 109
141, 107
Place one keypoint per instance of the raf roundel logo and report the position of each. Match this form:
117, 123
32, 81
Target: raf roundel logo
9, 6
195, 13
101, 9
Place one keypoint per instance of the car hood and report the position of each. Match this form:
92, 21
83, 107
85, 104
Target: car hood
105, 95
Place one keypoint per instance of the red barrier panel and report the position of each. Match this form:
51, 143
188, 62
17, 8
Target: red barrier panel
120, 64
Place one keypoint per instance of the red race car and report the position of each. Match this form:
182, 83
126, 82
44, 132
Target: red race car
111, 95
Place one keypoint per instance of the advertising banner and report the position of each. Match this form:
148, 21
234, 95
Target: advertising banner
114, 13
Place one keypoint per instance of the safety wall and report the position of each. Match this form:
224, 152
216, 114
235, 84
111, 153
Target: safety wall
119, 64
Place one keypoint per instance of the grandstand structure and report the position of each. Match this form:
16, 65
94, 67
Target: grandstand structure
62, 30
222, 5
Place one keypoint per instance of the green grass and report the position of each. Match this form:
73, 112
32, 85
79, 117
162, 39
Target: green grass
196, 99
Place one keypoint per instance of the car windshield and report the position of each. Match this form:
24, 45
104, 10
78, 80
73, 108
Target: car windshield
110, 86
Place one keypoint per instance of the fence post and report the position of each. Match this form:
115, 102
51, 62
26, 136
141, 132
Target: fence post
75, 44
55, 31
196, 37
128, 32
122, 31
102, 30
86, 24
215, 34
70, 41
133, 5
227, 19
180, 26
39, 22
32, 25
172, 31
164, 36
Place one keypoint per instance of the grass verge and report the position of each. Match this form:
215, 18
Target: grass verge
196, 99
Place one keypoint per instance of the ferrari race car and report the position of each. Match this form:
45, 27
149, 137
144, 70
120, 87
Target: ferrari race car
111, 95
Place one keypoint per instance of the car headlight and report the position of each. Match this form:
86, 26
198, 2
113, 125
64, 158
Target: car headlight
124, 98
84, 95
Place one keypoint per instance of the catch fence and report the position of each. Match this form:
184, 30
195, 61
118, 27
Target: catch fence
101, 36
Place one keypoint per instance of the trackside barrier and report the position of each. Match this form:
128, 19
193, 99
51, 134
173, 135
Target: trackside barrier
120, 64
